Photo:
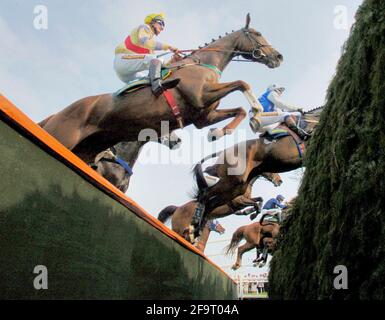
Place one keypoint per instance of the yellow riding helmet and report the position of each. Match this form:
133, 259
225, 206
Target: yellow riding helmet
154, 16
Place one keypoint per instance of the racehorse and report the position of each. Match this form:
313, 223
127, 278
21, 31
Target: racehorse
182, 215
269, 242
257, 236
93, 124
253, 157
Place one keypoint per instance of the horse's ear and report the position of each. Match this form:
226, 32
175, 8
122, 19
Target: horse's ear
247, 21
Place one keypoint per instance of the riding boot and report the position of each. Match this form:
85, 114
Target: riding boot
300, 132
255, 123
157, 85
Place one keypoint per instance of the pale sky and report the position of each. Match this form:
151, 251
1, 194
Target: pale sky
43, 71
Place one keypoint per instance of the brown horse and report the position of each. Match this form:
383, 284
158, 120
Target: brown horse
182, 216
238, 165
257, 235
93, 124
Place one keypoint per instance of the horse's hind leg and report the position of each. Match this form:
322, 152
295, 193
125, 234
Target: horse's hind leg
241, 250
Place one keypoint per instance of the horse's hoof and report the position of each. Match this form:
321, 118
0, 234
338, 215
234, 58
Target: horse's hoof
175, 145
215, 134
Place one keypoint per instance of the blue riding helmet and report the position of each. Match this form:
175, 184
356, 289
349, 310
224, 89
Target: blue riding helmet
280, 197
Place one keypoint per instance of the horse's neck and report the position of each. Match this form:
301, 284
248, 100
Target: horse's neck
223, 56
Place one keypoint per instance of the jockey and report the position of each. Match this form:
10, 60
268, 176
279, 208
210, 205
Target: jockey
135, 58
274, 206
275, 203
276, 111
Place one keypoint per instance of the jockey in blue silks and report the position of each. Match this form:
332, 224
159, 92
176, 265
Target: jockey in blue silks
275, 111
275, 203
274, 206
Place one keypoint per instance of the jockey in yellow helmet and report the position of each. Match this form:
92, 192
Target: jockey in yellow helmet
135, 57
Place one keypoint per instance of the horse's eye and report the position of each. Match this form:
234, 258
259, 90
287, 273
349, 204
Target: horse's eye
258, 34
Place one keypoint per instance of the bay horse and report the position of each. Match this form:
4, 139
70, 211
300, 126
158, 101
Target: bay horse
182, 215
93, 124
257, 235
241, 163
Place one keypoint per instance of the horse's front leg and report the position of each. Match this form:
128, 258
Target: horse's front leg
214, 92
216, 116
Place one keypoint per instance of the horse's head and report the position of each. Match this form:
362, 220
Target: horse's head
253, 46
273, 177
310, 119
214, 225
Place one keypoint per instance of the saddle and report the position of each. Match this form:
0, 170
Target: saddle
283, 131
277, 133
140, 83
271, 218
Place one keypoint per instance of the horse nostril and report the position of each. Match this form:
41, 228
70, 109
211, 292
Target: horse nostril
279, 56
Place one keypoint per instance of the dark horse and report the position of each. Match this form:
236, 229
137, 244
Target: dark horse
182, 215
239, 164
114, 171
93, 124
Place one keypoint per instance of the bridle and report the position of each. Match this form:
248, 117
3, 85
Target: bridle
257, 52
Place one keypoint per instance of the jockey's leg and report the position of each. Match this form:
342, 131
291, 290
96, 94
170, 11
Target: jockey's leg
126, 69
291, 123
259, 122
157, 85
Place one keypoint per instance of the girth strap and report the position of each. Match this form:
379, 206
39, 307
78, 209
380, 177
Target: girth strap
174, 107
298, 141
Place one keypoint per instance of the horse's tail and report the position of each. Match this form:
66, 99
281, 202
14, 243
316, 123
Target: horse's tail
166, 213
198, 175
199, 178
237, 237
44, 122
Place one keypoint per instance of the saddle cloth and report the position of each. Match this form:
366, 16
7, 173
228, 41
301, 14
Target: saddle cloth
140, 83
275, 134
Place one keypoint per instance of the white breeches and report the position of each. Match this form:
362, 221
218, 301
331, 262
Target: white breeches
273, 119
129, 67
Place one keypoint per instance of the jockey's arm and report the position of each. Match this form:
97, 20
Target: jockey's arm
282, 206
146, 39
278, 103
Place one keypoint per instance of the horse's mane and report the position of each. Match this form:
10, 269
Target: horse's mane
314, 110
214, 40
208, 44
